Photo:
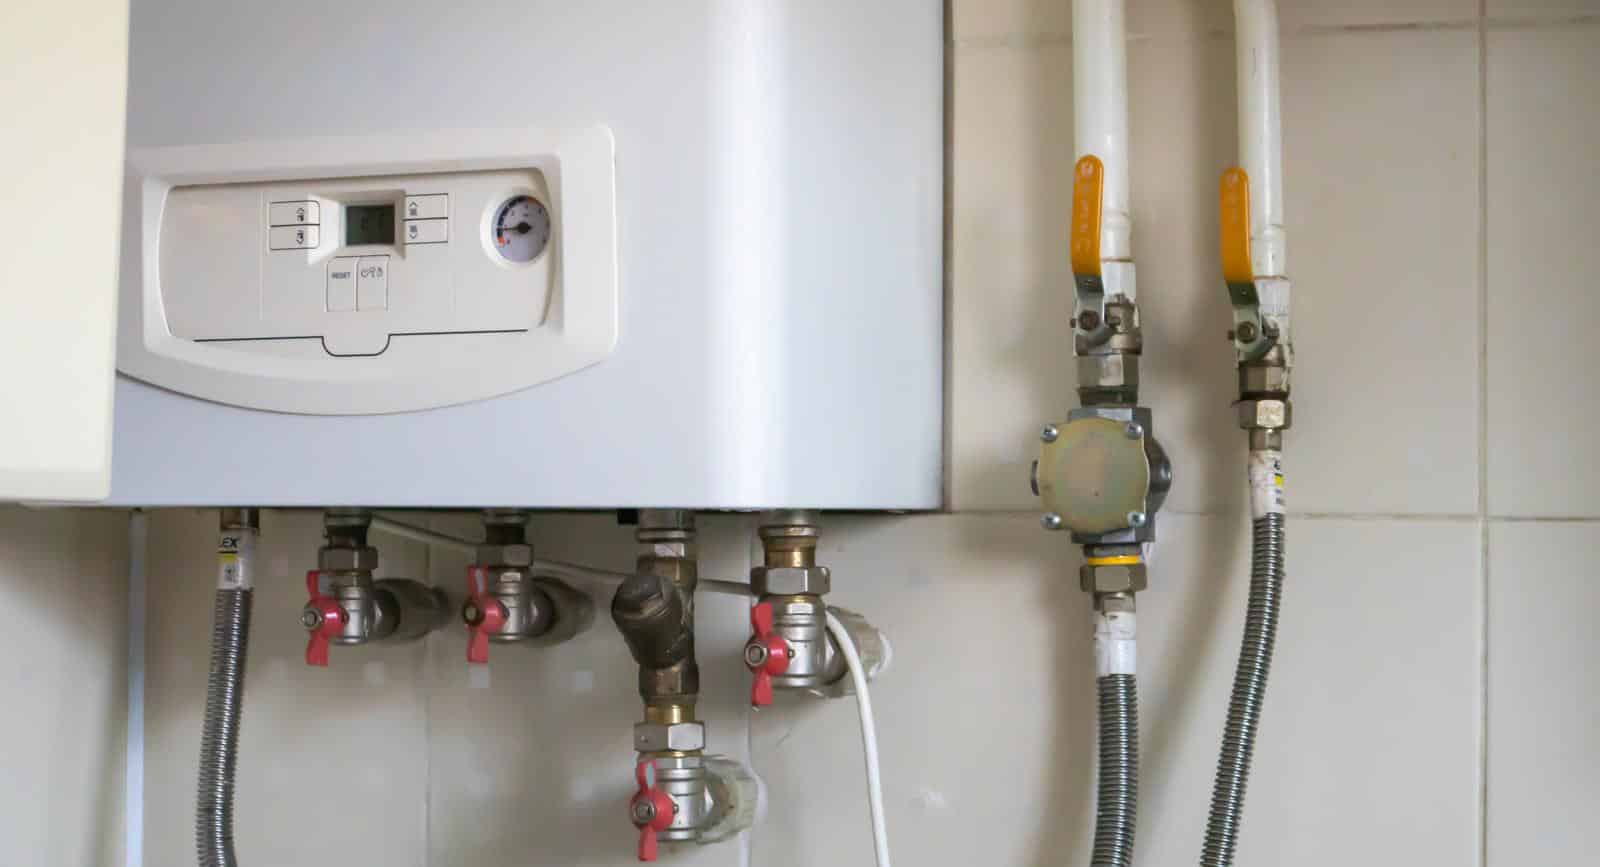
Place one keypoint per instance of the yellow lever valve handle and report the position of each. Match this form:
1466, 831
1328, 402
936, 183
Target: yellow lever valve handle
1088, 187
1233, 200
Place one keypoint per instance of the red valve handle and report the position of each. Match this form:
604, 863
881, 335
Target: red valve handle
331, 624
776, 660
661, 809
491, 614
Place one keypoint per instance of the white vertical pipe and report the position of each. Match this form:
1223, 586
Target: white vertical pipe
1100, 112
1261, 131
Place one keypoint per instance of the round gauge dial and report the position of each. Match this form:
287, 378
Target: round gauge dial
521, 229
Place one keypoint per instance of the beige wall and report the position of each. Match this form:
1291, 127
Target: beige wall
1442, 534
63, 612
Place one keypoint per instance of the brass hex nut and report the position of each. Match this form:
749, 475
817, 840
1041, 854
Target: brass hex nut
1130, 578
649, 737
520, 556
790, 580
1264, 414
1263, 379
1115, 370
347, 559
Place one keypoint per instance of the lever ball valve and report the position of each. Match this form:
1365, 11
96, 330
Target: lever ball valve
766, 654
651, 809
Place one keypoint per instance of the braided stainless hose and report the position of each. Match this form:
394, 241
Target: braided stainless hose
230, 636
1116, 813
1249, 691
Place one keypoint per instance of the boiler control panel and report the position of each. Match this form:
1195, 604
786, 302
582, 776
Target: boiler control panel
369, 274
355, 262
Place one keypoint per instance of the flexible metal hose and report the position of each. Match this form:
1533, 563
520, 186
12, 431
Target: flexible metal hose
1117, 812
1249, 690
230, 636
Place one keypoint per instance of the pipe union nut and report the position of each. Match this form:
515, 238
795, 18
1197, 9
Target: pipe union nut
1264, 414
1130, 578
790, 580
519, 556
1263, 379
1116, 370
347, 559
649, 737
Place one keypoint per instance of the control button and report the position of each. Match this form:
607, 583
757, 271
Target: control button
293, 237
342, 284
427, 231
435, 207
372, 283
294, 214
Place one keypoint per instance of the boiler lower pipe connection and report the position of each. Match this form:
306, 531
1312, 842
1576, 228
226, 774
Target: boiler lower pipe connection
230, 638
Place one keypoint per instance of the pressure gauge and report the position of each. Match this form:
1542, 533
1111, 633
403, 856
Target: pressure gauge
521, 229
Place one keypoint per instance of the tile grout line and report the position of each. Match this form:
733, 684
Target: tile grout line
1483, 432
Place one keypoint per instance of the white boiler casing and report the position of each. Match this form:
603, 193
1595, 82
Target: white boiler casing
536, 253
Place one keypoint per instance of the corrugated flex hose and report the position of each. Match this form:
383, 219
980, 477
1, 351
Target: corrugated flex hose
219, 741
1249, 688
219, 744
1117, 812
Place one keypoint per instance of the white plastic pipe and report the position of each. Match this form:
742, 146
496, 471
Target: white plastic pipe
1100, 113
1261, 132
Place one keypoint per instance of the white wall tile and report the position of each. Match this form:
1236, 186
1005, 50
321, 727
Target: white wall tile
1543, 119
987, 718
999, 21
63, 611
1540, 10
331, 760
1381, 173
1544, 698
1297, 14
1012, 167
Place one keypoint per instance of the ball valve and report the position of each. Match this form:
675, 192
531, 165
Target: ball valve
507, 602
790, 647
348, 606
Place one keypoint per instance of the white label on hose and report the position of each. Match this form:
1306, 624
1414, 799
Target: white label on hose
1115, 648
236, 554
1266, 483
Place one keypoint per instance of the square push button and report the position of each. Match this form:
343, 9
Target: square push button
305, 213
293, 237
427, 231
372, 283
342, 284
432, 207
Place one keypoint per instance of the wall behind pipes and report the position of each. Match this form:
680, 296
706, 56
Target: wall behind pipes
1440, 187
63, 607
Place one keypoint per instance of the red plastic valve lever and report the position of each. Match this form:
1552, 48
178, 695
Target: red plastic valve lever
491, 614
330, 624
774, 661
659, 809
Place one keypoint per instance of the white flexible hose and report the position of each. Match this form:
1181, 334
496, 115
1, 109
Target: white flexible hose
869, 737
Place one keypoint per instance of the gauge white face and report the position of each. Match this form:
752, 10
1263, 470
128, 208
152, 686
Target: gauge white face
521, 229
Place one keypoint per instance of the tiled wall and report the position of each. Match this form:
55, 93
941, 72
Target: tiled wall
1433, 701
63, 607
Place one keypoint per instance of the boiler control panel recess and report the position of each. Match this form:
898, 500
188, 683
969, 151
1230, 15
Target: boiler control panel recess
347, 264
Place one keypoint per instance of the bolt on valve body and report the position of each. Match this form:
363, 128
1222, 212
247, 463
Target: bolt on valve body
347, 606
789, 646
506, 602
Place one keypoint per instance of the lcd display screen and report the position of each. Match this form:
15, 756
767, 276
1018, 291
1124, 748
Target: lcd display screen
368, 224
